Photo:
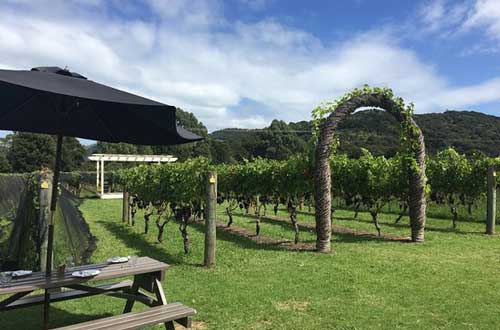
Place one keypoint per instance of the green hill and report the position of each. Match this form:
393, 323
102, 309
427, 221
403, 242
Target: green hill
375, 130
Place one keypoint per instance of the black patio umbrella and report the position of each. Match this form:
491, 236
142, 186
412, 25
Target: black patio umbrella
56, 101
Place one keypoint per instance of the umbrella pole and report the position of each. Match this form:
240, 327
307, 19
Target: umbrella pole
50, 240
53, 204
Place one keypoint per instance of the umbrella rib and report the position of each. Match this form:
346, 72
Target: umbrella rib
103, 124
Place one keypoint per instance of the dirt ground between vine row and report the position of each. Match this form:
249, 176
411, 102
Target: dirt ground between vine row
288, 244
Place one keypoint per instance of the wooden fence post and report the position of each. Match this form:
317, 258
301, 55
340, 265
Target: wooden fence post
491, 201
125, 206
45, 193
210, 219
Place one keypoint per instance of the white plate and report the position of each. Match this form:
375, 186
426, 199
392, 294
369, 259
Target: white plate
86, 273
118, 260
21, 273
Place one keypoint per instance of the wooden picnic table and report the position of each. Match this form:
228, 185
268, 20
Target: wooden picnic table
147, 273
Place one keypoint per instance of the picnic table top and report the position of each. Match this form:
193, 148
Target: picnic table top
40, 280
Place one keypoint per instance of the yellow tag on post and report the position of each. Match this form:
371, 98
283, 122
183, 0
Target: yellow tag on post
44, 185
212, 179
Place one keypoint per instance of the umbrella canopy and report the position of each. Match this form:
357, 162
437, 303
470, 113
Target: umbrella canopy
56, 101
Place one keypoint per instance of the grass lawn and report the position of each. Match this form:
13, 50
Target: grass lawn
452, 281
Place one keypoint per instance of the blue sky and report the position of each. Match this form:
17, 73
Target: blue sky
242, 63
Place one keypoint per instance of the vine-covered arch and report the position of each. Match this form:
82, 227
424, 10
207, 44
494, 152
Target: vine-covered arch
413, 148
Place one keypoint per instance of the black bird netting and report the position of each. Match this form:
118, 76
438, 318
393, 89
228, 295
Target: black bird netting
18, 223
23, 228
76, 240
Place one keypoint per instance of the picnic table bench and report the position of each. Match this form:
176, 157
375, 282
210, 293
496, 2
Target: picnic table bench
146, 288
159, 314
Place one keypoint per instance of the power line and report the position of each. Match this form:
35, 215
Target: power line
251, 130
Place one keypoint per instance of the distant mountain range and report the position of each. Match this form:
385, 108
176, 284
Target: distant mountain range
375, 130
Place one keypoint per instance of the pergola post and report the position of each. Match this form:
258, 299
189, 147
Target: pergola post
97, 177
102, 177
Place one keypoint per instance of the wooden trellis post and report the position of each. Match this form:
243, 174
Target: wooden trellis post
125, 206
491, 201
45, 193
210, 219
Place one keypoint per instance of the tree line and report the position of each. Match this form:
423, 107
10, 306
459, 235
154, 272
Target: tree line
468, 132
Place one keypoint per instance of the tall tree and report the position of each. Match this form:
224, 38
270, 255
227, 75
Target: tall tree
115, 148
73, 154
28, 152
220, 152
4, 163
280, 142
5, 166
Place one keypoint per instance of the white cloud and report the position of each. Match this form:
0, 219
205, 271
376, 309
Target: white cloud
456, 18
432, 14
255, 5
486, 13
488, 91
192, 13
249, 122
443, 17
192, 57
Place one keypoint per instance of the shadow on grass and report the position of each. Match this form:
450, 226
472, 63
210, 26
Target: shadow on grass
284, 222
338, 233
138, 242
245, 242
344, 218
303, 212
350, 238
304, 225
346, 234
430, 214
435, 215
32, 318
405, 225
288, 224
243, 239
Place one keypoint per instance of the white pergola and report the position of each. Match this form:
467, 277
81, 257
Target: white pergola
101, 158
